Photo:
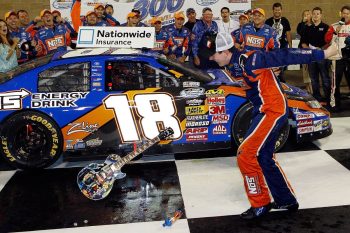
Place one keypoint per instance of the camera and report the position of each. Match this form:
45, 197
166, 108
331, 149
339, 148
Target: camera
26, 47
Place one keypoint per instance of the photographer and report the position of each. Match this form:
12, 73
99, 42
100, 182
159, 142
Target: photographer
338, 33
26, 43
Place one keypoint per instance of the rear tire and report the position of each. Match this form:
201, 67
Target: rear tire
30, 140
242, 122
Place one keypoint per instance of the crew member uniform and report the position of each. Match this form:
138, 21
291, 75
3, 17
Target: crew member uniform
264, 38
178, 41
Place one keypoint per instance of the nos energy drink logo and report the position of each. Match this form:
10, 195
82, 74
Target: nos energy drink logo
157, 7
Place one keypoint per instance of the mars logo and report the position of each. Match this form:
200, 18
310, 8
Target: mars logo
219, 129
305, 123
217, 110
220, 119
12, 99
196, 130
55, 42
252, 185
255, 41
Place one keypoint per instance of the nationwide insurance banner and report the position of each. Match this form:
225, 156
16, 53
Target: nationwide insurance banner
117, 37
150, 8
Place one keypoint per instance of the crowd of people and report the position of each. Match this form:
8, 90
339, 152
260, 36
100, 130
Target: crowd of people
22, 40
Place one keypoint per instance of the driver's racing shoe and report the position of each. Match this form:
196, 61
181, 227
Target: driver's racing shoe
253, 213
291, 207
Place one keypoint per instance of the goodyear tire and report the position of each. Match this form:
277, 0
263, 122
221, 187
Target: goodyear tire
242, 122
30, 140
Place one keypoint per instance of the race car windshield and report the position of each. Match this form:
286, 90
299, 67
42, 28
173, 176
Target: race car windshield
4, 77
184, 68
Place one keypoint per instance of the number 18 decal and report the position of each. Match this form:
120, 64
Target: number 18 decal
155, 110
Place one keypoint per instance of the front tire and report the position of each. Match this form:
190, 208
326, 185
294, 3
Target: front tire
30, 140
242, 122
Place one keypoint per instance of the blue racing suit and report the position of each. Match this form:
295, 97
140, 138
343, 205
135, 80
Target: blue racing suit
255, 156
178, 40
263, 39
53, 39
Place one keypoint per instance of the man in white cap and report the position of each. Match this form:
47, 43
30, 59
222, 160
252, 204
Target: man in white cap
255, 156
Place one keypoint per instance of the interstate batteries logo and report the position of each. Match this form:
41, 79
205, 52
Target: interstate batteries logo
57, 100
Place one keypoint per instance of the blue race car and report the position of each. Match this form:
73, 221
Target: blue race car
107, 100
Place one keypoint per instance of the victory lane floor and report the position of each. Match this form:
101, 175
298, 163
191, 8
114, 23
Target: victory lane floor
209, 190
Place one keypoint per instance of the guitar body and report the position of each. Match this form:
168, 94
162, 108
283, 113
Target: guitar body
96, 180
88, 182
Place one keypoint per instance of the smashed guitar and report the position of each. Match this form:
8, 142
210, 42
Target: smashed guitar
96, 180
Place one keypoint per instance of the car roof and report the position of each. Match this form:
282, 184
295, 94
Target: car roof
102, 51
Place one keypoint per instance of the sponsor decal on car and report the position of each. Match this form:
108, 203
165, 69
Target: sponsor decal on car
12, 100
200, 130
194, 102
303, 123
197, 137
307, 129
56, 99
215, 92
220, 119
197, 123
320, 114
217, 110
96, 74
192, 92
318, 125
96, 84
219, 129
325, 124
191, 84
80, 144
69, 145
195, 110
217, 100
303, 116
197, 118
78, 127
94, 142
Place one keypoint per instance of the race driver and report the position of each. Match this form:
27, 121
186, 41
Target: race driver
255, 156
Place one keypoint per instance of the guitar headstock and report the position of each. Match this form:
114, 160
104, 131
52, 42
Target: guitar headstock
166, 133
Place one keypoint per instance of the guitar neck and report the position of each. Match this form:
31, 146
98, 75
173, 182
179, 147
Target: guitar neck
118, 165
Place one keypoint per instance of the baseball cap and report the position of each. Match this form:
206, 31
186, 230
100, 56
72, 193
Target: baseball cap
8, 14
190, 10
56, 11
98, 5
260, 10
223, 41
156, 19
136, 11
131, 14
109, 5
91, 12
244, 16
43, 12
179, 15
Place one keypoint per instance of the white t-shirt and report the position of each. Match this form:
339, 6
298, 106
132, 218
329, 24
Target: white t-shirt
228, 27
